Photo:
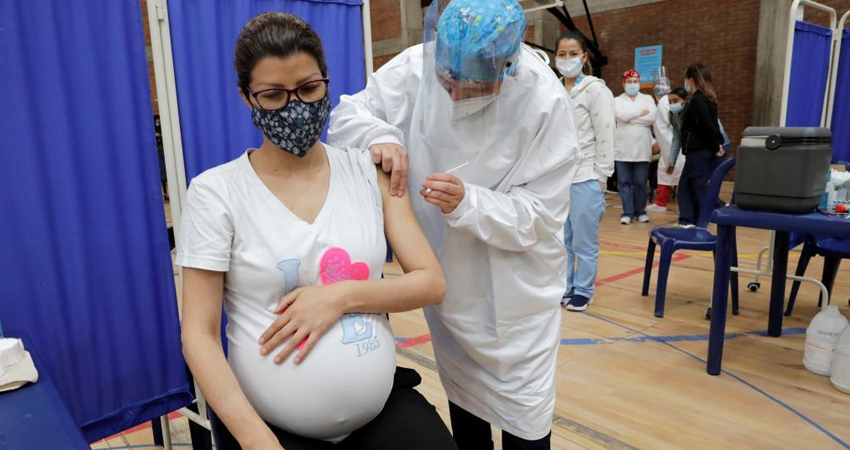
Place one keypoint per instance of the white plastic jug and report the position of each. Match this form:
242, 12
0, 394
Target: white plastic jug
821, 337
841, 363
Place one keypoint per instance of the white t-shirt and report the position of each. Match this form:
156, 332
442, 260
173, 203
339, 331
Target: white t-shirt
232, 223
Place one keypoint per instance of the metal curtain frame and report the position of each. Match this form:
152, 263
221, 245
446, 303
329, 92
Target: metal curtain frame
837, 34
172, 143
367, 39
789, 49
554, 4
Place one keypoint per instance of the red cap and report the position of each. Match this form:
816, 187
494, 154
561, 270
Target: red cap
631, 73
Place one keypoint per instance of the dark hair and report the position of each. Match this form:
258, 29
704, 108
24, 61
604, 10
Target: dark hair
702, 77
278, 35
572, 36
679, 92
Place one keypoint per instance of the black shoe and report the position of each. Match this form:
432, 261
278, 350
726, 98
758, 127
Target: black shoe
579, 303
565, 300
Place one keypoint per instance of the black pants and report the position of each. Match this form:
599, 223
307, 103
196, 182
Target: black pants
612, 182
699, 164
473, 433
407, 421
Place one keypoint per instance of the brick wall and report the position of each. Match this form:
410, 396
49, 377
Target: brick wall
822, 18
144, 12
386, 19
722, 34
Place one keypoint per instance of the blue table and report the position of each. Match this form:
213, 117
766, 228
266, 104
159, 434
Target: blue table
730, 217
34, 417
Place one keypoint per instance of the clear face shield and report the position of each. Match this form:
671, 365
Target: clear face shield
471, 53
662, 83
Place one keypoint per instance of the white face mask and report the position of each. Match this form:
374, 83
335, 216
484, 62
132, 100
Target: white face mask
569, 68
465, 108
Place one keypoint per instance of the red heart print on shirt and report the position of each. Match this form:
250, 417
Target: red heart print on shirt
336, 266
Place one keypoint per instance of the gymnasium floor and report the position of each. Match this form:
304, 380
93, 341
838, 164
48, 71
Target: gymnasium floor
628, 380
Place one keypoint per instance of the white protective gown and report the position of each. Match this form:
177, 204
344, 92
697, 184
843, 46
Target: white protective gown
664, 136
496, 335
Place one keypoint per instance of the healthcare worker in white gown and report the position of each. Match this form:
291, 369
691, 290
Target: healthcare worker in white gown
663, 131
473, 94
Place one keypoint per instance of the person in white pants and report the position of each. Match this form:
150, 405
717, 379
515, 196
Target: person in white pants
594, 108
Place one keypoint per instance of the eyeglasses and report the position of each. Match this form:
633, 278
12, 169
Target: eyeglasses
465, 89
273, 99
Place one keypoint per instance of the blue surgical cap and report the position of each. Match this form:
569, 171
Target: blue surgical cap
479, 40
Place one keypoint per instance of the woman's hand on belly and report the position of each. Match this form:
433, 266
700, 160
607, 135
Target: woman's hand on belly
305, 315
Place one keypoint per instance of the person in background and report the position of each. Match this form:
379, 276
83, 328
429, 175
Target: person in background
702, 142
666, 129
594, 107
635, 114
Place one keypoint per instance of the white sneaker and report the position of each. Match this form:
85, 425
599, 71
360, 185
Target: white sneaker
625, 220
655, 208
643, 218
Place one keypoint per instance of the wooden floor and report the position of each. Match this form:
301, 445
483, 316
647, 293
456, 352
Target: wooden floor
628, 380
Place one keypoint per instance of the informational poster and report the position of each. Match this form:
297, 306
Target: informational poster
648, 63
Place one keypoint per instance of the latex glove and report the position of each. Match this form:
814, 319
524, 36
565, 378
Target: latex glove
394, 160
446, 191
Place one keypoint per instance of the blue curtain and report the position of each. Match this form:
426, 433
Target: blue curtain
809, 74
216, 125
841, 106
84, 256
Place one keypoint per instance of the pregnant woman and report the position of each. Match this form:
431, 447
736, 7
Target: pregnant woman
291, 238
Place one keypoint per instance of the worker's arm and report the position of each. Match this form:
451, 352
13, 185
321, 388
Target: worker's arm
361, 120
701, 107
604, 123
646, 120
675, 147
625, 112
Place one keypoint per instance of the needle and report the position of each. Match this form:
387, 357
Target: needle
428, 191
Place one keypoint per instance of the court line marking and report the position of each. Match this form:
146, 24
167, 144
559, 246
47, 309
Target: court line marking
591, 434
675, 337
405, 343
638, 270
418, 359
779, 402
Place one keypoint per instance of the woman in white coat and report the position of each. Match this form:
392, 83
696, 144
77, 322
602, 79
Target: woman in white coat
663, 128
594, 108
633, 146
496, 233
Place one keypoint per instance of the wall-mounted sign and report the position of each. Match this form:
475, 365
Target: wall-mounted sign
648, 63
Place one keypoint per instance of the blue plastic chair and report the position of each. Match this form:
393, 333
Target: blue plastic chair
697, 238
833, 250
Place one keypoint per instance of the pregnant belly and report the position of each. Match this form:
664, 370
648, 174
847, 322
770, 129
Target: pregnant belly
341, 386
